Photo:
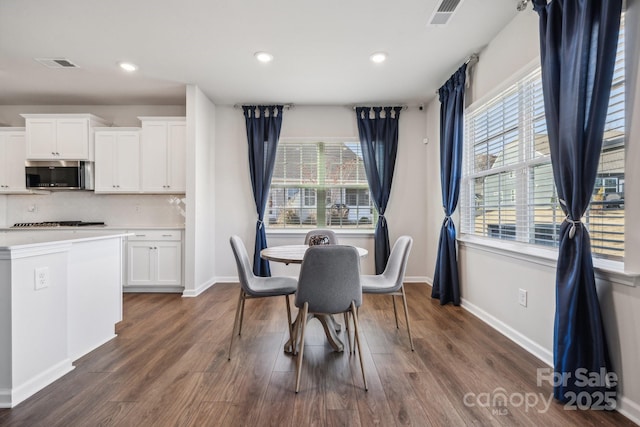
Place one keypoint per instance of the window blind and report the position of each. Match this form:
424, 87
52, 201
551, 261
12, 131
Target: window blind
320, 183
508, 190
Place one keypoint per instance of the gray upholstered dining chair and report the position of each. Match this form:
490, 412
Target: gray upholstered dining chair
252, 286
390, 282
330, 234
329, 283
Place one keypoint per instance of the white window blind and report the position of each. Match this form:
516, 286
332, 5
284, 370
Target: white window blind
508, 190
320, 184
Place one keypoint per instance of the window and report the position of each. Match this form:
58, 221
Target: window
320, 183
508, 190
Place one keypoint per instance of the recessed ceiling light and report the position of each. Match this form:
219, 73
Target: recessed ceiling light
263, 56
378, 57
128, 66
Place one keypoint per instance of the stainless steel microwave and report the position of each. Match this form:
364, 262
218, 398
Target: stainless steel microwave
60, 175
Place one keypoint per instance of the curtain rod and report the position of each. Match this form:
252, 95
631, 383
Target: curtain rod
470, 61
403, 106
285, 106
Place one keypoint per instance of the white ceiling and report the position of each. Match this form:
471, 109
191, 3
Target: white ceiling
321, 50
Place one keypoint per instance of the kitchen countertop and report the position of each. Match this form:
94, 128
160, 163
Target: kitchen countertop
96, 228
22, 239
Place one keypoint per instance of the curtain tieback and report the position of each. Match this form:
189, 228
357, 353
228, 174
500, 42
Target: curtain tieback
574, 223
260, 223
447, 218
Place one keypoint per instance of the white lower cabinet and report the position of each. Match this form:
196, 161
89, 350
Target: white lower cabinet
154, 261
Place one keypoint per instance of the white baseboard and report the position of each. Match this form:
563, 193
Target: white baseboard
191, 293
12, 397
523, 341
625, 406
629, 409
416, 279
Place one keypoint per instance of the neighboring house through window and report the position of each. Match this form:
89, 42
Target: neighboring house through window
320, 183
508, 190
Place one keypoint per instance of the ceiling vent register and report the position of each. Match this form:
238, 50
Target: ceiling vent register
56, 62
444, 12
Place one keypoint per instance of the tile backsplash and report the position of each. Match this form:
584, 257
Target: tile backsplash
112, 209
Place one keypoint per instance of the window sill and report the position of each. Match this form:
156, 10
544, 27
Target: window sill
303, 232
608, 270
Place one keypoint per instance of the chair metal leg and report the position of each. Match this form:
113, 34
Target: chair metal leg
235, 321
302, 319
244, 298
395, 310
357, 339
347, 329
286, 297
406, 315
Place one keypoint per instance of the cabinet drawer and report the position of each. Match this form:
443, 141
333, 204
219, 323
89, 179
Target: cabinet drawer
155, 235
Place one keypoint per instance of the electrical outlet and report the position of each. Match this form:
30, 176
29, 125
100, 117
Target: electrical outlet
522, 297
41, 278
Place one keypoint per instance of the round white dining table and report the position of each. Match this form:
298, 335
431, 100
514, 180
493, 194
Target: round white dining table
294, 254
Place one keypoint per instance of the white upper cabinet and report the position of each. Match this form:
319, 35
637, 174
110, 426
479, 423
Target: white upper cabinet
12, 157
117, 160
60, 136
163, 154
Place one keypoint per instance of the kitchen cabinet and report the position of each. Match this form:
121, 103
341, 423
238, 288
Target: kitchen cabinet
117, 154
12, 157
163, 154
154, 261
60, 136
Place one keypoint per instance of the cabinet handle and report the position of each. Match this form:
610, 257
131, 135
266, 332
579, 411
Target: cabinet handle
141, 235
53, 153
57, 154
167, 235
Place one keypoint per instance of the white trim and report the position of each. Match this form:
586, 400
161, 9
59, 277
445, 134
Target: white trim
161, 289
523, 341
608, 270
10, 398
356, 232
91, 347
629, 409
311, 139
506, 84
188, 293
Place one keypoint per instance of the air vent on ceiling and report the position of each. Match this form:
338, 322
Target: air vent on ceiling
56, 62
444, 12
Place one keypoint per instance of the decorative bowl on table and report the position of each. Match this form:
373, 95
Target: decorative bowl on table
318, 239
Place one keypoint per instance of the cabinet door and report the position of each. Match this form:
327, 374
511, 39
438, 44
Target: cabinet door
13, 154
72, 137
154, 152
41, 137
177, 132
140, 263
127, 162
169, 263
105, 161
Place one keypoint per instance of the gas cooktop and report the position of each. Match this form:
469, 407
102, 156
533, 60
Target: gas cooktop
57, 224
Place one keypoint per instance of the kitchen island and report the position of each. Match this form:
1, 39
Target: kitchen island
60, 298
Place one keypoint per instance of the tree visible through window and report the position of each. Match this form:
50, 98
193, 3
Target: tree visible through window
320, 184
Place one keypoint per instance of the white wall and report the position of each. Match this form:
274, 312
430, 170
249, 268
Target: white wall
235, 209
199, 231
490, 279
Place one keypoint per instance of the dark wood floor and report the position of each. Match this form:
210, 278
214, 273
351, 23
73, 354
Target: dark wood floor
168, 366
